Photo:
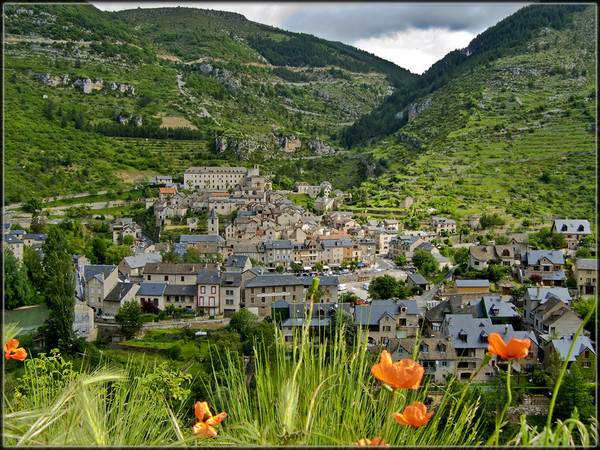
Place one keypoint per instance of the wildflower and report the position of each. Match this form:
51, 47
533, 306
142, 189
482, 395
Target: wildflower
12, 352
207, 420
516, 348
414, 415
375, 442
404, 374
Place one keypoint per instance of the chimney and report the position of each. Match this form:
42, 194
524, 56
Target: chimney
538, 292
505, 328
449, 320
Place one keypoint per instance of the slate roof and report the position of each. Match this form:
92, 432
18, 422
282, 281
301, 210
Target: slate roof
442, 220
37, 237
151, 289
181, 289
533, 256
278, 244
195, 238
141, 259
97, 270
315, 322
232, 279
10, 239
119, 291
434, 346
549, 292
237, 261
476, 330
418, 279
482, 252
373, 313
563, 345
323, 281
208, 277
587, 264
568, 226
454, 305
556, 275
491, 303
274, 280
176, 268
472, 283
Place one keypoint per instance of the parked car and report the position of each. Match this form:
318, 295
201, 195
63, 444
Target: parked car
366, 286
342, 287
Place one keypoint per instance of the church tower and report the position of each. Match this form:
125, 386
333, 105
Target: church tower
213, 223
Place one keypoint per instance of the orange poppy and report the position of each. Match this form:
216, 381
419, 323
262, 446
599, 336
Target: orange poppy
404, 374
12, 352
207, 420
516, 348
414, 415
375, 442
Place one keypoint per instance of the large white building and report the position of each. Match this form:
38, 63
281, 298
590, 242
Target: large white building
218, 178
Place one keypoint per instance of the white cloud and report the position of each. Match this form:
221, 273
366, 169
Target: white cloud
414, 49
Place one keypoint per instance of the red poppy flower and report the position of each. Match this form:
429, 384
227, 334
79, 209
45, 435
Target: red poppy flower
516, 348
207, 420
12, 352
404, 374
414, 415
375, 442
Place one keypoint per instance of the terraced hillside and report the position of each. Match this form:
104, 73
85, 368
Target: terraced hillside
518, 136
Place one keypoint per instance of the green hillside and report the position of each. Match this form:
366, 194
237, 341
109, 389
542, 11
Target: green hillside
516, 135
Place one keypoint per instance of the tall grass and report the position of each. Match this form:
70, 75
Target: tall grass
303, 393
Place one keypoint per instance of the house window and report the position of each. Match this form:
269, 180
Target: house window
229, 301
444, 364
252, 290
273, 288
586, 354
586, 364
252, 300
425, 349
213, 289
436, 327
203, 289
166, 277
443, 349
182, 279
149, 277
288, 338
387, 328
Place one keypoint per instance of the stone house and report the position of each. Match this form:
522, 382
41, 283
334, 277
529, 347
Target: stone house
208, 292
262, 291
121, 293
548, 264
14, 244
133, 266
404, 245
174, 273
436, 355
231, 292
538, 296
555, 318
439, 224
98, 282
387, 319
238, 263
481, 255
573, 230
583, 352
329, 286
586, 274
416, 279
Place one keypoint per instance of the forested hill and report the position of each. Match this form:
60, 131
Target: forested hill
190, 33
509, 37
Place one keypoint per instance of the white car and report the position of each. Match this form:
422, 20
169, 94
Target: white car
342, 287
366, 286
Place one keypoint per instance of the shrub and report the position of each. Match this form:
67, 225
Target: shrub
187, 316
148, 317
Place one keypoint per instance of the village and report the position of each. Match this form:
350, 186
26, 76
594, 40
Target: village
264, 260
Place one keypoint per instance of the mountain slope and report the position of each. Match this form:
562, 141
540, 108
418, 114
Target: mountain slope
81, 99
516, 135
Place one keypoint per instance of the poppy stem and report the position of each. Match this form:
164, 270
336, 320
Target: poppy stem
509, 400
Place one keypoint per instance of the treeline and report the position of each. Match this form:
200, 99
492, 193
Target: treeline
145, 131
508, 37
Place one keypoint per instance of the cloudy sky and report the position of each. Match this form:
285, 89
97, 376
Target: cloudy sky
411, 35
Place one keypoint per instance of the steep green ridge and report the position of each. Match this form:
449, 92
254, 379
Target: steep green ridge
509, 37
517, 135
